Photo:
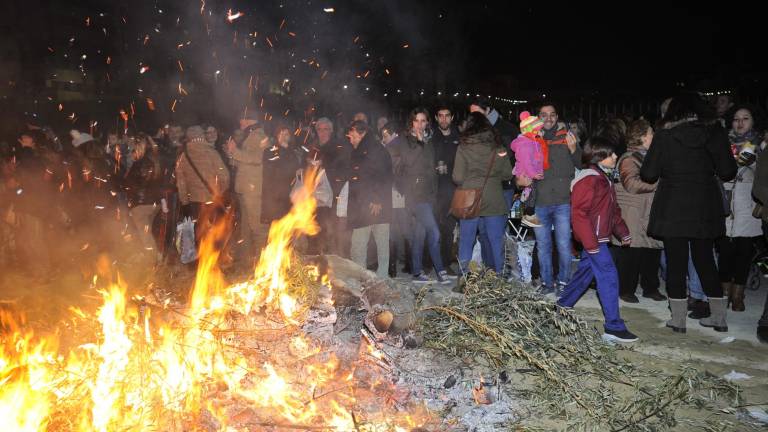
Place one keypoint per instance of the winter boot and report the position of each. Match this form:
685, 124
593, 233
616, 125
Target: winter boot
717, 307
678, 307
727, 290
699, 310
737, 298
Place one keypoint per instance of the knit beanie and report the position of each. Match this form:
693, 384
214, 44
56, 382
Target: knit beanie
529, 123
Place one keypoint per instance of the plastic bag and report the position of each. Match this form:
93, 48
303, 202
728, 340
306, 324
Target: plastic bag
525, 259
185, 240
519, 258
477, 254
341, 207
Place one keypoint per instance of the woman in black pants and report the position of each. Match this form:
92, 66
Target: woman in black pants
687, 157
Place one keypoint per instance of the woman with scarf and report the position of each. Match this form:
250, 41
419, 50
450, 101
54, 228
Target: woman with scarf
742, 229
640, 261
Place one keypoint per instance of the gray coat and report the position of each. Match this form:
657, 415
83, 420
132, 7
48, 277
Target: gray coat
741, 223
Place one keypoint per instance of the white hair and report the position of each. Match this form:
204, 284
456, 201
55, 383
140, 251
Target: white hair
324, 120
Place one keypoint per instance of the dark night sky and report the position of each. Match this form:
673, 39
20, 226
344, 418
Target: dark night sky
543, 44
490, 46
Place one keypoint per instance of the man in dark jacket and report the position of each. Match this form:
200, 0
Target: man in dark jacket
335, 156
369, 207
553, 199
446, 142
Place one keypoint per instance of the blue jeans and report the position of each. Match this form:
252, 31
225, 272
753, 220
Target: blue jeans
490, 227
694, 283
425, 228
599, 266
559, 217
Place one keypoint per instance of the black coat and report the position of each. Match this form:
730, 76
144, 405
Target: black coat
280, 166
370, 182
685, 160
445, 150
143, 182
335, 155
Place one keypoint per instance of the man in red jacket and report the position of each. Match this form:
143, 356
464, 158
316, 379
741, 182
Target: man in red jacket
596, 216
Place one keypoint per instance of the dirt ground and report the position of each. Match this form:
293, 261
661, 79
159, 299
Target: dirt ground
738, 350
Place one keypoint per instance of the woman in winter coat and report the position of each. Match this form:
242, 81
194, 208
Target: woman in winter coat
640, 261
741, 228
478, 144
281, 161
687, 157
416, 175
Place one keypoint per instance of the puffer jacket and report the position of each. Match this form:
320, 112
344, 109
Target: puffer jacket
684, 158
472, 160
211, 167
635, 198
413, 164
741, 223
595, 214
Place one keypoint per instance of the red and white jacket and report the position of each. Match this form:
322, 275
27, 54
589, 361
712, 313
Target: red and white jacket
595, 214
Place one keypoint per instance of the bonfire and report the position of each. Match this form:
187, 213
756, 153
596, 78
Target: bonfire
243, 356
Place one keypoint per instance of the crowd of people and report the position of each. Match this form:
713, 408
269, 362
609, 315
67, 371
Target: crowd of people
680, 197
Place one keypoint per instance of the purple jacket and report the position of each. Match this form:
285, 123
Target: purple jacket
529, 159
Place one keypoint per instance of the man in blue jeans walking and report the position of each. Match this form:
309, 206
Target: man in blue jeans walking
553, 200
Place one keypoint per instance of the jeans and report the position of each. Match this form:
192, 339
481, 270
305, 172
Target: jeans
425, 229
359, 250
559, 217
493, 227
598, 266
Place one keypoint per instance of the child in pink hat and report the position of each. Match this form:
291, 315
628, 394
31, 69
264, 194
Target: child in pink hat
531, 159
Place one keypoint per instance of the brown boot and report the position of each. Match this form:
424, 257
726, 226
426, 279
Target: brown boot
727, 290
737, 298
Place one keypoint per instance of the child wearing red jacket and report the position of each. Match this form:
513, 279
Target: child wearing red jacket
595, 216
